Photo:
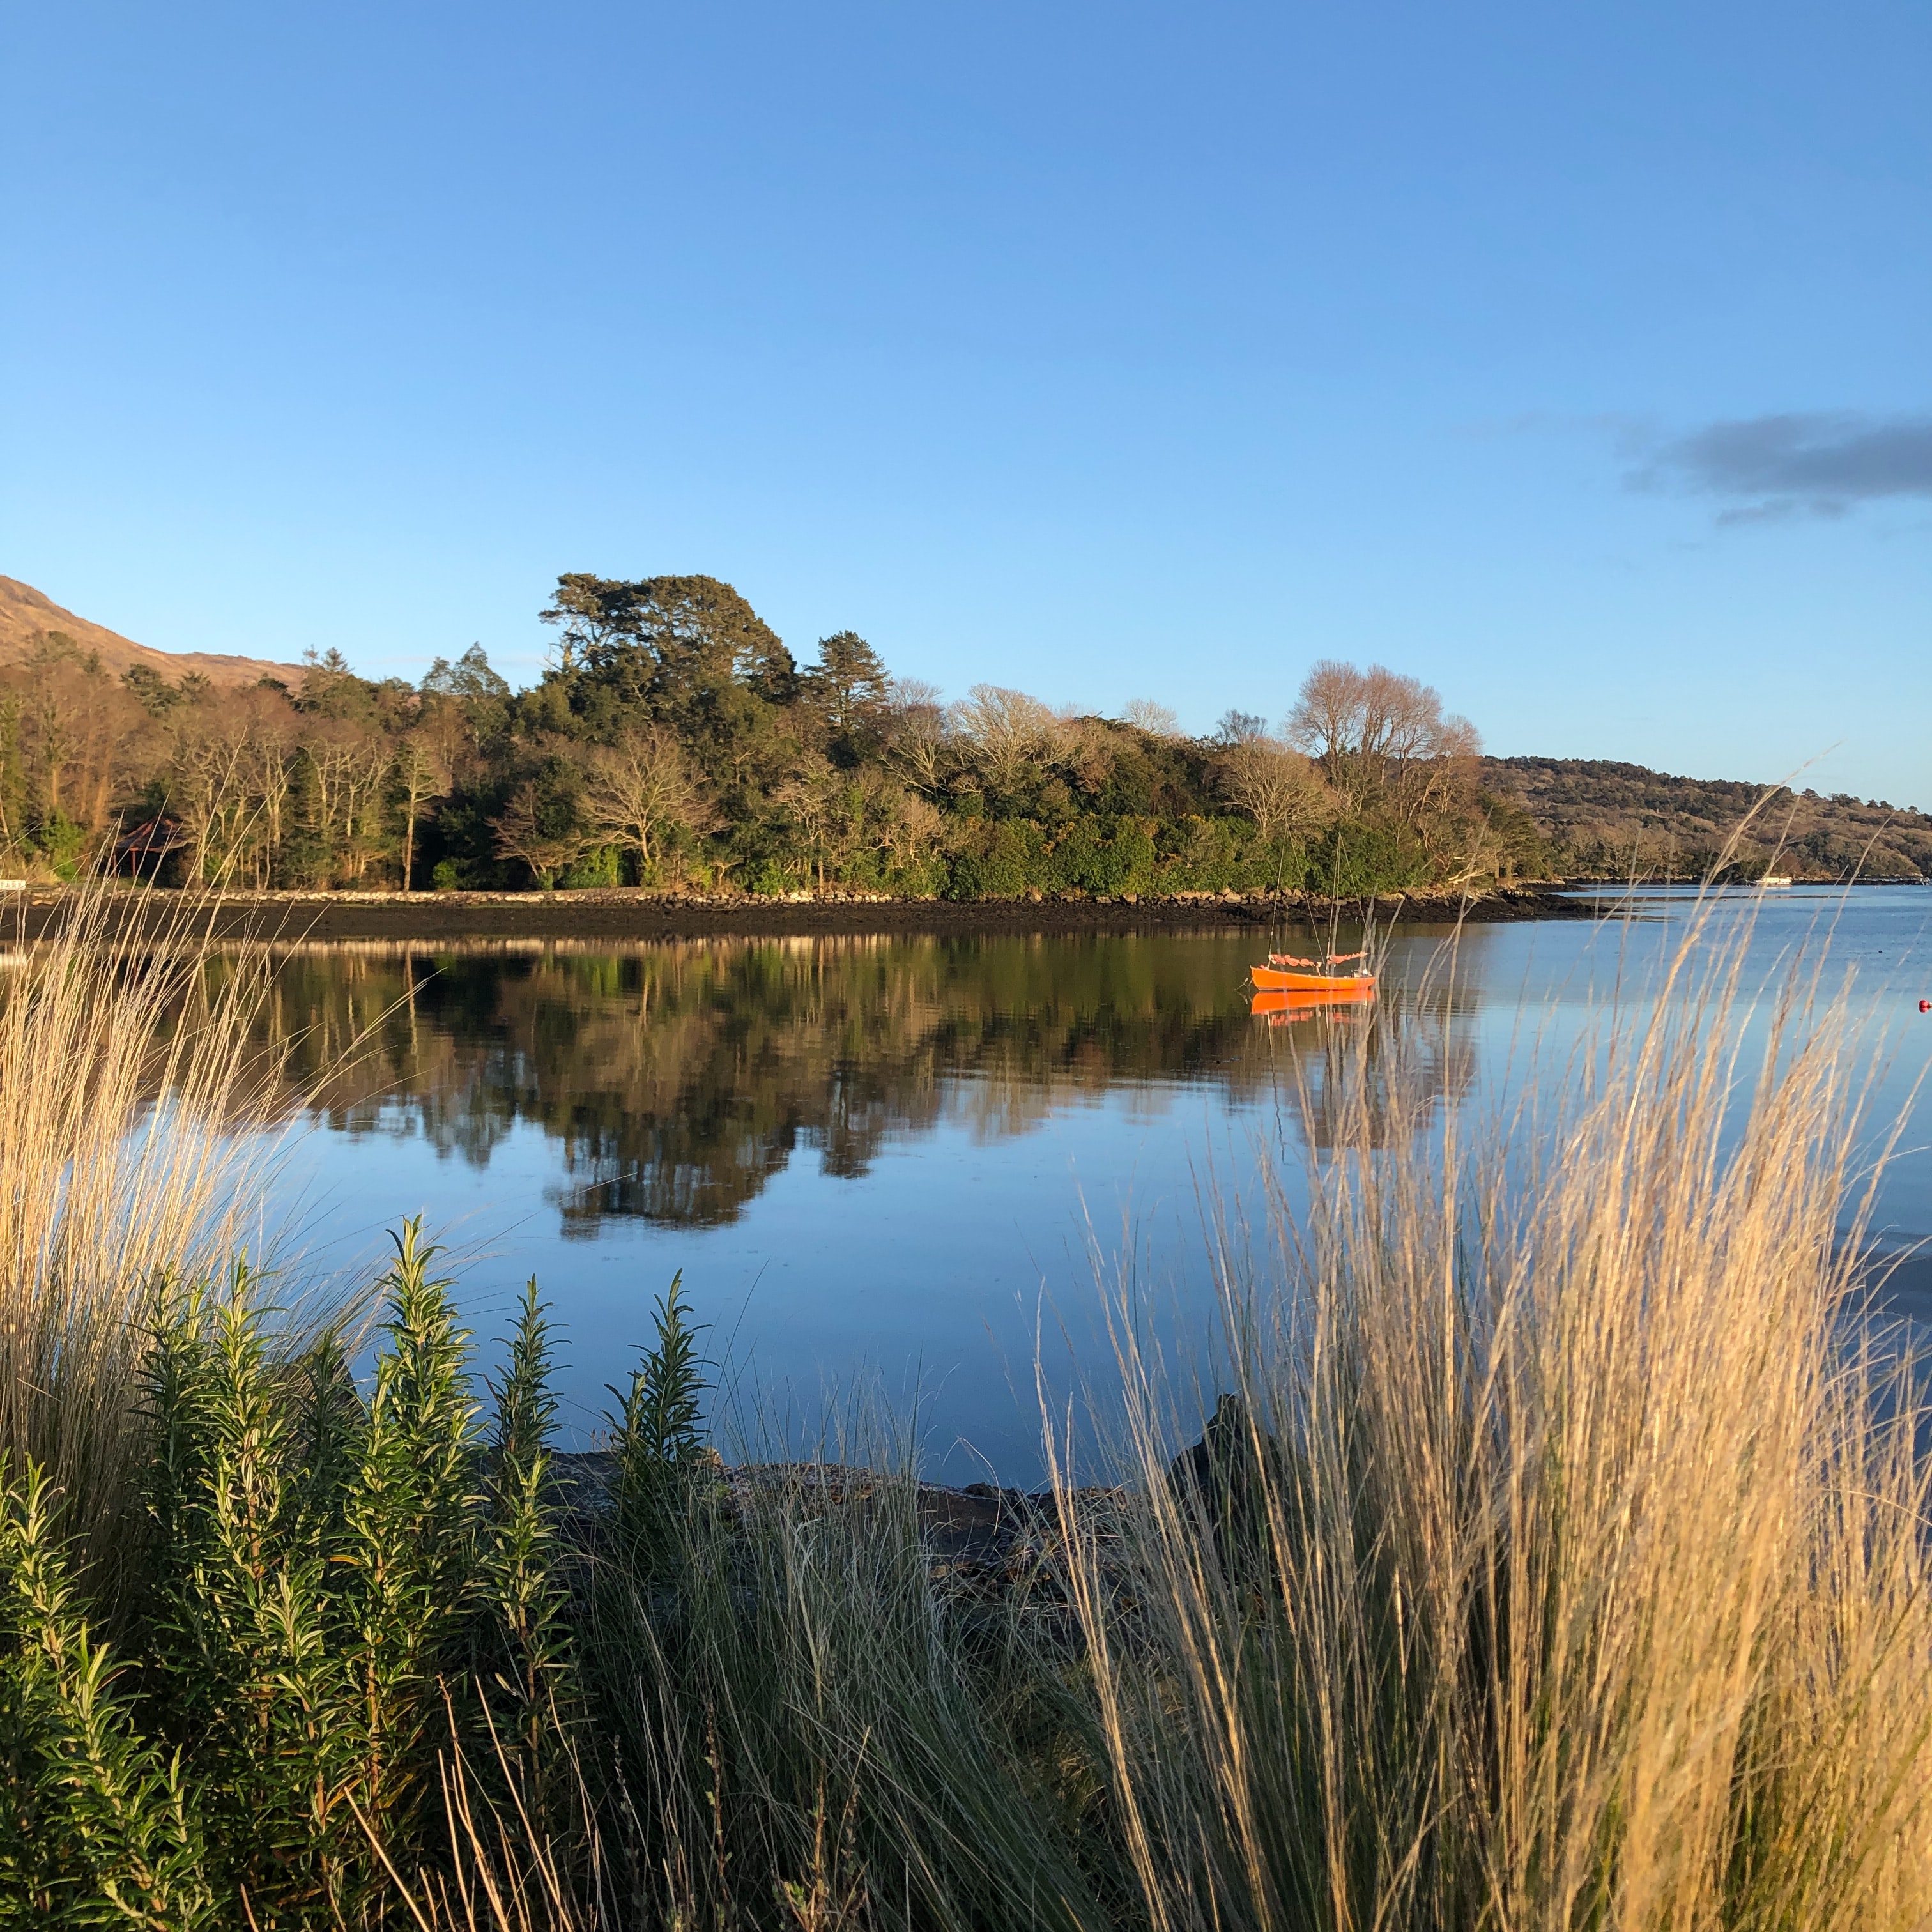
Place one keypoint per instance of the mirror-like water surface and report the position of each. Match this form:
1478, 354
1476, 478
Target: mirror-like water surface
891, 1159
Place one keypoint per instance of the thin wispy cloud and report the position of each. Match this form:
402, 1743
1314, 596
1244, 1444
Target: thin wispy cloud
1821, 463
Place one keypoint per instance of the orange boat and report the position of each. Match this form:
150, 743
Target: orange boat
1285, 973
1352, 986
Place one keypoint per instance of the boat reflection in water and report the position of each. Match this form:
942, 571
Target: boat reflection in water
1281, 1007
1355, 1071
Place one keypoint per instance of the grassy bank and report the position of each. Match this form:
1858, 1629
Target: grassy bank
1552, 1559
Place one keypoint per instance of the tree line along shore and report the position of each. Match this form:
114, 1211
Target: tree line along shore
676, 744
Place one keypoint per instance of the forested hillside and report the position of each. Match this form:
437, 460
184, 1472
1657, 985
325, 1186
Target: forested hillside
1605, 820
675, 741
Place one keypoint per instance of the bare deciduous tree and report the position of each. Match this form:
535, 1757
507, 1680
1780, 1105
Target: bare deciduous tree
1236, 727
810, 797
272, 753
1008, 734
640, 787
1443, 780
73, 727
530, 828
208, 794
1149, 715
1327, 721
1377, 733
1088, 749
420, 777
350, 764
1278, 788
909, 829
913, 728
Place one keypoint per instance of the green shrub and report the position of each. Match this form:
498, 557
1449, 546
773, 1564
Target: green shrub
240, 1652
97, 1825
657, 1433
346, 1596
1004, 859
1085, 861
1353, 860
63, 843
523, 1651
1133, 849
602, 865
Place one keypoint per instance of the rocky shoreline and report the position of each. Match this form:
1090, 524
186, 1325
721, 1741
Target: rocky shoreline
618, 915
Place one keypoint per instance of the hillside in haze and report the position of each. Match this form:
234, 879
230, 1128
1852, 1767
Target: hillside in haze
27, 615
1606, 819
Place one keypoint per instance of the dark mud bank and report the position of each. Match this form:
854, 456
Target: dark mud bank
429, 918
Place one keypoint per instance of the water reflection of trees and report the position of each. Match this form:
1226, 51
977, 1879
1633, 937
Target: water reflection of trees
677, 1079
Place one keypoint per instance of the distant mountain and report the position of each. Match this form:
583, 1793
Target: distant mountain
1607, 821
27, 615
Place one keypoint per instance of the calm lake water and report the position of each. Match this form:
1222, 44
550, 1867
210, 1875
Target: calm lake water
889, 1163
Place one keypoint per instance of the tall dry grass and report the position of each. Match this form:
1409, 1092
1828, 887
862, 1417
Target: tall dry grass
129, 1087
1562, 1560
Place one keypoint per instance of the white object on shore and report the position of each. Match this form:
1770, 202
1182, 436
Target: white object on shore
12, 885
1775, 879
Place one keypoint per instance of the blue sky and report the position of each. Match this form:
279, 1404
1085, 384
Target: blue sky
1577, 359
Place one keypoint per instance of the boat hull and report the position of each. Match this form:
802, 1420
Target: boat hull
1347, 985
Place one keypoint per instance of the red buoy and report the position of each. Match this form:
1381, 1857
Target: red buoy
1925, 1006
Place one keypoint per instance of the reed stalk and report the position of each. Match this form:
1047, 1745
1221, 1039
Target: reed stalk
1559, 1559
132, 1096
